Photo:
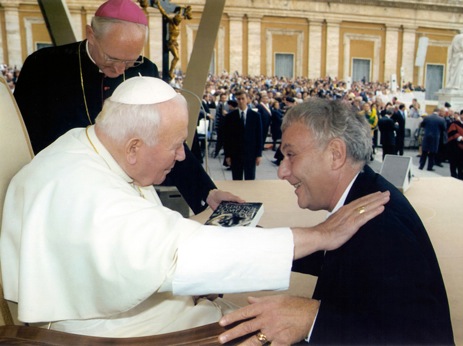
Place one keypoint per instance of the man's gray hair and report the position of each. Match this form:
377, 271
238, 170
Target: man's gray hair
101, 25
329, 119
120, 121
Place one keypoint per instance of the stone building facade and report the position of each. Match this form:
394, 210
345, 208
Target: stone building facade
375, 40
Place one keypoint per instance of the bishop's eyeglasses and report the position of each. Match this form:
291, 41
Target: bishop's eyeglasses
128, 63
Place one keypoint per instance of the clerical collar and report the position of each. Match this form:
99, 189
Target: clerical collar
90, 56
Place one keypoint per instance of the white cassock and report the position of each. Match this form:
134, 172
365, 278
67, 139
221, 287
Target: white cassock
84, 248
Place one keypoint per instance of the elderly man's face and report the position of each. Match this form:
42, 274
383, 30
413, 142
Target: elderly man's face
155, 162
307, 167
118, 49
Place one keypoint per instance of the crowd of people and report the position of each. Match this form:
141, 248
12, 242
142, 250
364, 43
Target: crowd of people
10, 74
271, 97
386, 113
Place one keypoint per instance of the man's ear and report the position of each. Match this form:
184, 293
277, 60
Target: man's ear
89, 33
338, 152
132, 149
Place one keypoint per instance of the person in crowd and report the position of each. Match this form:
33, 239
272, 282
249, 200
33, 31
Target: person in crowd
413, 112
372, 118
87, 73
79, 250
417, 108
287, 103
399, 118
384, 286
222, 110
442, 154
263, 108
275, 124
455, 146
387, 130
243, 139
434, 126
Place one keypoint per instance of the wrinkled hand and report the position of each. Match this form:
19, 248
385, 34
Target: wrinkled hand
216, 196
284, 320
343, 224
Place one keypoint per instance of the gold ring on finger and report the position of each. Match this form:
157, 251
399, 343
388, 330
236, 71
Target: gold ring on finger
262, 338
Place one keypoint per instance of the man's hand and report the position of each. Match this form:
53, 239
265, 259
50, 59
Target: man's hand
284, 320
258, 160
216, 196
340, 226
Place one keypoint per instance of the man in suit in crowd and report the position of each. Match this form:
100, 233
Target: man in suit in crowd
243, 139
384, 286
387, 129
86, 73
222, 110
275, 124
399, 119
434, 127
265, 112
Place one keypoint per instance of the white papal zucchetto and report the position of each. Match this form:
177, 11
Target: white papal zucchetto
143, 91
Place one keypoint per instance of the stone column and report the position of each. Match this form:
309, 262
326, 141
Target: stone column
2, 53
408, 54
13, 35
315, 51
392, 40
332, 49
155, 38
254, 46
236, 44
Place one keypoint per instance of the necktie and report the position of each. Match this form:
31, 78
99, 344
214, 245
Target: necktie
243, 119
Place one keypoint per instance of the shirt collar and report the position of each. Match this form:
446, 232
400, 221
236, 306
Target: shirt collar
342, 200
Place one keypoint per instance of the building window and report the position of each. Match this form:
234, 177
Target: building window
40, 45
284, 65
361, 70
434, 80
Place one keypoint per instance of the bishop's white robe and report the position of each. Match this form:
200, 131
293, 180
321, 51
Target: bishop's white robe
84, 248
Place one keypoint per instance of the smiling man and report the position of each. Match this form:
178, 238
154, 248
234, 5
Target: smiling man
384, 286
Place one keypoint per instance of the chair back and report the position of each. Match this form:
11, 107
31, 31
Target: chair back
15, 152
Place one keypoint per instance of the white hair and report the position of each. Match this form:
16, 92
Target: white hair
120, 121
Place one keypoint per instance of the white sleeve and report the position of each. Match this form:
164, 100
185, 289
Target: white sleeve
238, 259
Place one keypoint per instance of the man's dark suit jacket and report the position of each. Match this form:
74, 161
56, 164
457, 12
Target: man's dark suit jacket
400, 120
434, 127
383, 286
265, 117
387, 129
240, 143
50, 97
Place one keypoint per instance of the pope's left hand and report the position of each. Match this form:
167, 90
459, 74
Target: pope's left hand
216, 196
